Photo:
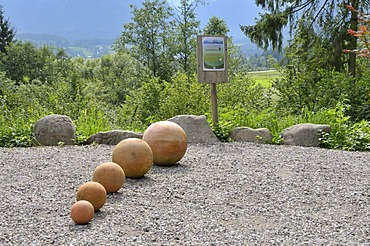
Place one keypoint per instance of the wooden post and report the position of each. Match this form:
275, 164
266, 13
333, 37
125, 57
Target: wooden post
215, 46
214, 105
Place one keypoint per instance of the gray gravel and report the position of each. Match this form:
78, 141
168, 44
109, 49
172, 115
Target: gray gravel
223, 194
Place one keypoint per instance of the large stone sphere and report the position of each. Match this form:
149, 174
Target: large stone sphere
110, 175
82, 212
134, 156
168, 142
92, 192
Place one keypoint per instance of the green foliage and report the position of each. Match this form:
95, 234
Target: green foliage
24, 63
149, 37
141, 106
222, 130
359, 93
184, 95
268, 30
16, 137
243, 95
113, 76
159, 100
216, 26
314, 90
358, 136
319, 88
187, 27
345, 135
91, 120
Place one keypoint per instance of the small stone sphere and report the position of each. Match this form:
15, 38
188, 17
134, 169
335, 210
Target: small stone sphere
82, 212
168, 142
134, 156
93, 192
110, 175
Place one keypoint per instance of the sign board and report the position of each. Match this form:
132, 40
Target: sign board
212, 59
213, 53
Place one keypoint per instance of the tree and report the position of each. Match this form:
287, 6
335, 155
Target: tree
7, 33
362, 33
23, 62
149, 37
216, 26
185, 37
327, 19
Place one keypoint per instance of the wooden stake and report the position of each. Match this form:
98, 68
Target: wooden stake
214, 105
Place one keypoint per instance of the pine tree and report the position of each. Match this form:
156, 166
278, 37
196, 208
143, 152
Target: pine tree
7, 33
328, 19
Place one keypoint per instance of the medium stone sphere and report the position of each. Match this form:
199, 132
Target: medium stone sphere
110, 175
82, 212
134, 156
92, 192
168, 142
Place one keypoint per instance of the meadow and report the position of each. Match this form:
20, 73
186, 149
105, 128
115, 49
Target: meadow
265, 78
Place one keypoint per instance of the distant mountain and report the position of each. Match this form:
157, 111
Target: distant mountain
103, 20
71, 19
97, 19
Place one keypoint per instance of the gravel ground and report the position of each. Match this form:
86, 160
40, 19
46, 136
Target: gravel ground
222, 194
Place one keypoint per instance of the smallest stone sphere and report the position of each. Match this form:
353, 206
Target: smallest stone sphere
82, 212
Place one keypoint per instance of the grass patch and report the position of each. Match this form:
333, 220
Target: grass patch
265, 78
80, 50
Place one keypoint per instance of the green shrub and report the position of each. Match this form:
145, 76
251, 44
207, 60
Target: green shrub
354, 137
358, 136
222, 130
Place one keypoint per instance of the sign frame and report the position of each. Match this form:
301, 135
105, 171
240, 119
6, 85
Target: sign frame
212, 51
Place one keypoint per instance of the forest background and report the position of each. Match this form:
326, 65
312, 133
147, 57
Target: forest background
151, 75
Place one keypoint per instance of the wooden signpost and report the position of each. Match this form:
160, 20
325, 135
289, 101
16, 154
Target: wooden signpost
212, 66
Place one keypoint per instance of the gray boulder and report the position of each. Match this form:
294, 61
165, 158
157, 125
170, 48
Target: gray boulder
196, 128
246, 134
112, 137
304, 134
54, 129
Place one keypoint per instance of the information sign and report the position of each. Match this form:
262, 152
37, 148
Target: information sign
214, 53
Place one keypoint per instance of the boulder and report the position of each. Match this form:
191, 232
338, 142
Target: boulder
196, 128
306, 135
54, 129
246, 134
112, 137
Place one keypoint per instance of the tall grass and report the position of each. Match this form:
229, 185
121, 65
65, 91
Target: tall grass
90, 121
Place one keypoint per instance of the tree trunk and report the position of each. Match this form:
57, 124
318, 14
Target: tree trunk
353, 40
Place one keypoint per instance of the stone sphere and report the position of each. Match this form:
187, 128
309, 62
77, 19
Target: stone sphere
82, 212
92, 192
134, 156
110, 175
168, 142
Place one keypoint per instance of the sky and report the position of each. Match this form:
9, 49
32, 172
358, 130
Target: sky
177, 2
